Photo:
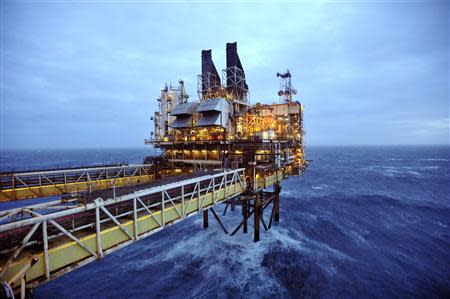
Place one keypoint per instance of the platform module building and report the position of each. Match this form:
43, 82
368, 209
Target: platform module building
223, 130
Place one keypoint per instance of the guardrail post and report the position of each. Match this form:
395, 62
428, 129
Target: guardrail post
98, 230
13, 189
88, 179
183, 212
45, 241
135, 220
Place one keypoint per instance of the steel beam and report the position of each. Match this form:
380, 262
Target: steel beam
256, 216
245, 214
116, 222
72, 237
205, 219
218, 220
276, 203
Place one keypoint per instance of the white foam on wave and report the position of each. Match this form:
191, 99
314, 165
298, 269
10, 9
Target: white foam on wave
396, 159
325, 256
442, 224
234, 260
390, 171
435, 159
432, 167
320, 187
288, 193
413, 172
407, 218
358, 237
395, 171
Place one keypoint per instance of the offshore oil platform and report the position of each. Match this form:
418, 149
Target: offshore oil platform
219, 149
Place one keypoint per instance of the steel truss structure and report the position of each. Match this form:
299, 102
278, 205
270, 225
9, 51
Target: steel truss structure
209, 86
234, 82
49, 247
23, 185
255, 206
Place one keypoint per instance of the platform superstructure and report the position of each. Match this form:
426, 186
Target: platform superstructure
222, 129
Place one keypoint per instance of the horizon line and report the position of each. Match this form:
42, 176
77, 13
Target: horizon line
151, 147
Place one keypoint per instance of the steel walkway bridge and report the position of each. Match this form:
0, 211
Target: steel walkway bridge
23, 185
43, 241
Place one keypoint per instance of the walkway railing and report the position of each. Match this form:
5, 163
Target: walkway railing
23, 185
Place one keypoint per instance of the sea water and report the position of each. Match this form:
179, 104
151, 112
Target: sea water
362, 222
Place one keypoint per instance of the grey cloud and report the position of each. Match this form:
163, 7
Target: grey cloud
89, 73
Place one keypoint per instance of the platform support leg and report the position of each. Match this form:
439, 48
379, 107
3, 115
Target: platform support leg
245, 214
276, 202
256, 216
205, 219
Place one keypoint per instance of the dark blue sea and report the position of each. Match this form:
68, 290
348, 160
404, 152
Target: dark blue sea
363, 222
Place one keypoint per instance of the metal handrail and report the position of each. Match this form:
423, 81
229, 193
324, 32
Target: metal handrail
90, 206
50, 172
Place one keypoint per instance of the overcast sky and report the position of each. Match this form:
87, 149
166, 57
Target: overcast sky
86, 74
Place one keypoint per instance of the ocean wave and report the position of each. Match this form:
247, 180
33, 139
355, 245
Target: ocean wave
441, 224
395, 171
416, 173
290, 193
320, 187
434, 159
396, 159
237, 259
431, 167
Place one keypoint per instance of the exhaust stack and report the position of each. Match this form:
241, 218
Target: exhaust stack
209, 81
236, 84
